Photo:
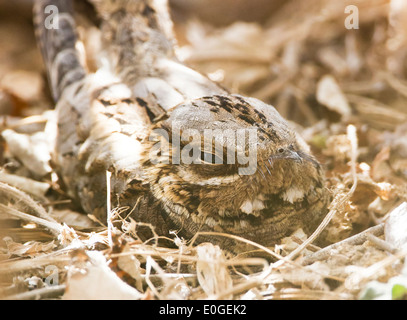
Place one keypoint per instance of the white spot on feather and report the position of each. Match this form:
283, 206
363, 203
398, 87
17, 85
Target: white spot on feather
210, 222
258, 205
247, 207
251, 207
293, 194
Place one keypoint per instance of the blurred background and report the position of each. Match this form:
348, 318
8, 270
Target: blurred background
279, 51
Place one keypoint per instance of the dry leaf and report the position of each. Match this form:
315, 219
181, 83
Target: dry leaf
330, 95
395, 230
32, 150
98, 282
28, 249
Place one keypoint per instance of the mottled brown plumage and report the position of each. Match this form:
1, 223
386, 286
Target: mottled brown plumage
114, 120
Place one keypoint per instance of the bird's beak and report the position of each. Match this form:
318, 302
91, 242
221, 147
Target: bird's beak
294, 156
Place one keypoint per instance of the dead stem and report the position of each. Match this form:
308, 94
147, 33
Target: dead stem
54, 227
357, 239
21, 197
51, 292
109, 209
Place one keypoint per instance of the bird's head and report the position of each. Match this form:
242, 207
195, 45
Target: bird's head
232, 164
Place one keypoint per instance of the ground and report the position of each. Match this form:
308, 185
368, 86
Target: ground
335, 69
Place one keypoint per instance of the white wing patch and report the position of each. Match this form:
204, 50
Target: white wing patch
250, 207
293, 194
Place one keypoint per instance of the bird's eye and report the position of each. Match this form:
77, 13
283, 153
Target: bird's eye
280, 150
206, 157
211, 158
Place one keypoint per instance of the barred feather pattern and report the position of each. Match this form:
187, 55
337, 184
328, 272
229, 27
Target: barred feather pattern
108, 120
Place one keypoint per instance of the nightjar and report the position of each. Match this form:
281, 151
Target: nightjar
185, 154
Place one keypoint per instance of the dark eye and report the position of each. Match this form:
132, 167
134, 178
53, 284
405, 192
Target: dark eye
211, 158
280, 150
206, 157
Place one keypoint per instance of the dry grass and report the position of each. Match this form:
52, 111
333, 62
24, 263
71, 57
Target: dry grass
345, 91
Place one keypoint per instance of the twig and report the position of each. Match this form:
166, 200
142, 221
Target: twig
384, 245
271, 267
109, 209
151, 263
20, 196
47, 292
244, 286
357, 239
254, 244
26, 121
54, 227
56, 202
301, 294
60, 258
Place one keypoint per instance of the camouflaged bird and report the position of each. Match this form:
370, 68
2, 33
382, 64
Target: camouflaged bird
143, 115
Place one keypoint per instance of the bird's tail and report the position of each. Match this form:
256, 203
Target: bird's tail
135, 34
56, 34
